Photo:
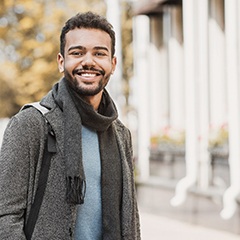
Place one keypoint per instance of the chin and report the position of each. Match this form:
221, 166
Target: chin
88, 91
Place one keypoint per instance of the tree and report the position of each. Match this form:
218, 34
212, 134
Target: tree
127, 51
29, 43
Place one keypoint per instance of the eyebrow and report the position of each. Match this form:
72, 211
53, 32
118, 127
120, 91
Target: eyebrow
83, 48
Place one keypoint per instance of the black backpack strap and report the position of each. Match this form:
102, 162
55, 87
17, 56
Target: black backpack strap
49, 150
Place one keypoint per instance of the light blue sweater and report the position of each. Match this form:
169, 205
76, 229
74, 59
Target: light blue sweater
89, 215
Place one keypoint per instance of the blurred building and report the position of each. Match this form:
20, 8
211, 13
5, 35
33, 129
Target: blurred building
186, 91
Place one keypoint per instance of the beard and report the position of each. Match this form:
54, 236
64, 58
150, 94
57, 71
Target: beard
82, 91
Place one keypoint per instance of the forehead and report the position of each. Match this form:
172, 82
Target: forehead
88, 38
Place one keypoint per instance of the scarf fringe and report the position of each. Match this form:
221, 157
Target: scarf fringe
76, 189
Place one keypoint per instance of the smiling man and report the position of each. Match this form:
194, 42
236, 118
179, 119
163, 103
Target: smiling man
89, 191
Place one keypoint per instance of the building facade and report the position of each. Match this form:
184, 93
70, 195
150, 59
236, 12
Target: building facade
187, 95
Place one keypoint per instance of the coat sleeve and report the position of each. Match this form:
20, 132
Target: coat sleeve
135, 205
130, 214
15, 165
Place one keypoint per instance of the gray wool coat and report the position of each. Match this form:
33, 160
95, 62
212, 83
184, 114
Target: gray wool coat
20, 161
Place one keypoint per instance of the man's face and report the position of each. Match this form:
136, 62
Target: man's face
87, 62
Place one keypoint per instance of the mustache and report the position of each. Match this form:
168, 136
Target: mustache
92, 69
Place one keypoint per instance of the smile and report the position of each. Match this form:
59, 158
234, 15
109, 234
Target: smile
83, 74
88, 73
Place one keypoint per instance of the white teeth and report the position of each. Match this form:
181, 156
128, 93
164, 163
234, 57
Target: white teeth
88, 74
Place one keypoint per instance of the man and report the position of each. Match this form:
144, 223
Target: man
90, 191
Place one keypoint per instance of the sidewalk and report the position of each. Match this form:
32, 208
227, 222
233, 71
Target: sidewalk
154, 227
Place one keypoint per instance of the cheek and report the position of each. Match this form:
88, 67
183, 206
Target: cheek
69, 65
108, 67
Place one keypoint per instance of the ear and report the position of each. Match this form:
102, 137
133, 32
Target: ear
60, 60
114, 63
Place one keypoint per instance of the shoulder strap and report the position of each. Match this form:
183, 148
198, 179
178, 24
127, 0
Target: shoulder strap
36, 105
49, 150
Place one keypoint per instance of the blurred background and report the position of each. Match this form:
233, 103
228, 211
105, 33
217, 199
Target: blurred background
176, 87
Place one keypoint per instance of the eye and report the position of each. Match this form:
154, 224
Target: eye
76, 53
100, 54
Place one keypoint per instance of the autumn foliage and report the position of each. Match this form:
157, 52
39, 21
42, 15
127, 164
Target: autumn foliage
29, 43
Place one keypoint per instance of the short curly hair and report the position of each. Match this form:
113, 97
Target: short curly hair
88, 20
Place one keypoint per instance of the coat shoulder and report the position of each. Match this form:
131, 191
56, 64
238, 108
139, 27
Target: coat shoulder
28, 122
119, 126
29, 115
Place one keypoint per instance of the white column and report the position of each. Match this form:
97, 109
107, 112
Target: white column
217, 74
115, 84
176, 83
203, 83
231, 28
141, 77
189, 30
157, 77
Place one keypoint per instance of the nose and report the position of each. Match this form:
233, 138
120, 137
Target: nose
88, 60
